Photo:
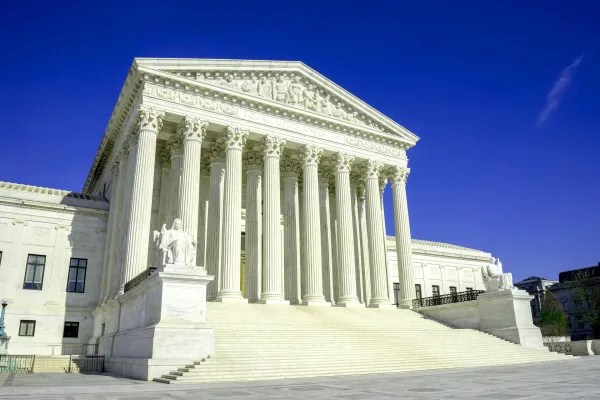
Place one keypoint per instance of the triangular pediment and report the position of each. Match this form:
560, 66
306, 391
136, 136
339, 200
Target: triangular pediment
284, 83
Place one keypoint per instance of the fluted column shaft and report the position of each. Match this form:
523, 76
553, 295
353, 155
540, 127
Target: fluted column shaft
192, 132
111, 232
202, 216
136, 253
272, 289
174, 180
364, 242
128, 168
346, 260
313, 267
379, 290
165, 174
334, 243
403, 239
326, 245
232, 214
215, 222
253, 232
357, 247
291, 236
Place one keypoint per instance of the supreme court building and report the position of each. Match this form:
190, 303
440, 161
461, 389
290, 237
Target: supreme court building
276, 173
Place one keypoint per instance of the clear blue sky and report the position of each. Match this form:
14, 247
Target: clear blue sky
505, 98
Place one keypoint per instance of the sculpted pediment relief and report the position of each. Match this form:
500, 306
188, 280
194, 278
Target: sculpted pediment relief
287, 83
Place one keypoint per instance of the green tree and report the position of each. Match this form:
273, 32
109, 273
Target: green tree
553, 320
586, 295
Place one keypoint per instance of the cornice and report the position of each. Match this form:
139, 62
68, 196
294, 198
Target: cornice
19, 187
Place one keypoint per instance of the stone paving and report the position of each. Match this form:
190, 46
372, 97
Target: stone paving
572, 379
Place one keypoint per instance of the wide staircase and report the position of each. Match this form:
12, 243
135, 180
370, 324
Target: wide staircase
270, 342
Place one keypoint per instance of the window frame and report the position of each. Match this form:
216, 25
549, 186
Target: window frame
34, 271
418, 291
468, 289
452, 290
27, 322
434, 289
71, 325
77, 272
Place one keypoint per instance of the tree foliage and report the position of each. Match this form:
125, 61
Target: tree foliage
586, 294
553, 320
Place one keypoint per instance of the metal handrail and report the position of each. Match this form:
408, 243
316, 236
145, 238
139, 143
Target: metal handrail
139, 278
458, 297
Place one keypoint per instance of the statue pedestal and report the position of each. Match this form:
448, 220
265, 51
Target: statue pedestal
507, 315
162, 324
4, 344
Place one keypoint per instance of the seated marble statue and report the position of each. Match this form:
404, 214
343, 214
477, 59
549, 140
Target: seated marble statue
494, 278
174, 246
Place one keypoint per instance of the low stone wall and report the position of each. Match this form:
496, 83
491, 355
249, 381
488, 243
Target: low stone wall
505, 314
576, 347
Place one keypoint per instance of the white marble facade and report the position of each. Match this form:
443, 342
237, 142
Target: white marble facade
276, 172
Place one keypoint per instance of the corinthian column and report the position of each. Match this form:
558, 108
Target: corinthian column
313, 267
253, 163
346, 259
214, 231
379, 290
176, 146
326, 245
164, 155
291, 234
192, 132
128, 169
356, 229
406, 279
272, 289
149, 122
232, 215
111, 232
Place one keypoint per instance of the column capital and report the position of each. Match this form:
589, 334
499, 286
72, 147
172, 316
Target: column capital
325, 170
253, 158
272, 146
357, 178
312, 154
398, 174
373, 169
148, 118
192, 129
235, 137
291, 164
176, 143
215, 153
164, 155
343, 162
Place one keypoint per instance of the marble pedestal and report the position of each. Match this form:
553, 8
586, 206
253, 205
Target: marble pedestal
505, 314
162, 324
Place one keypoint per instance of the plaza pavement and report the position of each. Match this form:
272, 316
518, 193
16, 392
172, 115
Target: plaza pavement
571, 379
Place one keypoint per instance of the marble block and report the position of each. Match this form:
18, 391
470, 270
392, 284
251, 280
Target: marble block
162, 322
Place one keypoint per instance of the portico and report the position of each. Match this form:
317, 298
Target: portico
270, 146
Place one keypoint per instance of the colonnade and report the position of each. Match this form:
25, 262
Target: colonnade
332, 250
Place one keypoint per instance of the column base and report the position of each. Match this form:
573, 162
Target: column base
316, 303
382, 306
273, 301
349, 304
230, 297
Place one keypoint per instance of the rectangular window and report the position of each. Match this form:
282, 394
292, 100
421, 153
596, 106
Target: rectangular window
103, 329
27, 328
469, 289
77, 269
452, 289
71, 330
418, 291
435, 289
34, 272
